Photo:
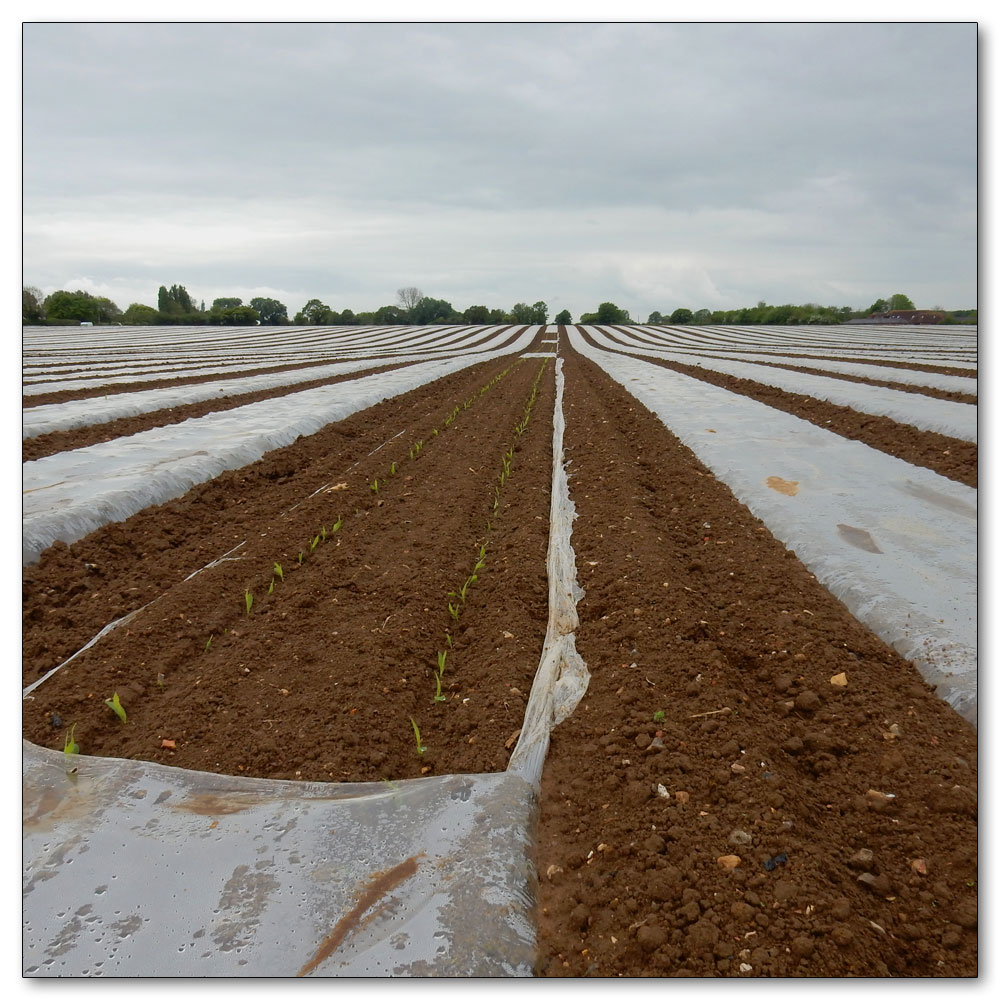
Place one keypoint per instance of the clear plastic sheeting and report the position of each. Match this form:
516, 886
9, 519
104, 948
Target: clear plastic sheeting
248, 349
102, 409
895, 542
954, 346
136, 869
562, 676
70, 494
904, 376
927, 413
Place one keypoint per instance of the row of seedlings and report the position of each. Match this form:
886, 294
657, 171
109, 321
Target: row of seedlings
324, 534
456, 599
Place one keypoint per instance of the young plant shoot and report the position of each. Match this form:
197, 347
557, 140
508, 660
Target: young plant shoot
116, 706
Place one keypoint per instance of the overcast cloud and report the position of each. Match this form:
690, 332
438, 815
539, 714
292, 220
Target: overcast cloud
655, 166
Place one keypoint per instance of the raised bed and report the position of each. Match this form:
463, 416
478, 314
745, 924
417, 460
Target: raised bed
718, 804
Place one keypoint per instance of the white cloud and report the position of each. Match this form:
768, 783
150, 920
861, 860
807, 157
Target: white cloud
701, 164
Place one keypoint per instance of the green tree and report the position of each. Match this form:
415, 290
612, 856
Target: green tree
315, 313
608, 312
900, 301
32, 306
226, 303
174, 301
521, 312
74, 307
540, 313
681, 316
240, 316
563, 317
655, 318
476, 314
702, 316
347, 318
878, 306
429, 310
140, 315
498, 316
271, 311
388, 316
107, 311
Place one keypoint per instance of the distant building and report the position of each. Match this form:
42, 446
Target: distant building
908, 316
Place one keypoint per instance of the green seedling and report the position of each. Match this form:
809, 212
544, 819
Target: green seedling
442, 656
270, 588
71, 746
336, 527
453, 610
438, 696
279, 572
301, 557
447, 639
208, 644
392, 469
116, 706
322, 532
314, 543
659, 716
374, 487
416, 733
248, 600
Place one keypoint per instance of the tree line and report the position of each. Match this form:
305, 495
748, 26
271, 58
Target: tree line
174, 305
797, 315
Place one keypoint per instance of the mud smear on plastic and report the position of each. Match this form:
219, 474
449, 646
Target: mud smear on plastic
858, 537
787, 486
210, 804
381, 884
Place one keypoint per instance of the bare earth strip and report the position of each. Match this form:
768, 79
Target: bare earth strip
754, 785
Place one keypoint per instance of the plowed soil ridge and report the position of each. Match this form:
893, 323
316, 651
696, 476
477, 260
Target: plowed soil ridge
346, 642
719, 805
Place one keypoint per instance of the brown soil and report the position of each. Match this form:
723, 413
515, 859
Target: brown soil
849, 812
693, 610
947, 456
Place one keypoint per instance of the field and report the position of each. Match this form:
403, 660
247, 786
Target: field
330, 558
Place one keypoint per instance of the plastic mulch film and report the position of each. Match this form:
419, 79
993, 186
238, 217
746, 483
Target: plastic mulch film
896, 543
137, 869
70, 494
928, 413
792, 356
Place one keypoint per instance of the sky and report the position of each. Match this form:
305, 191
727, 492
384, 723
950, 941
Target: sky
657, 166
